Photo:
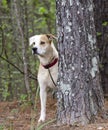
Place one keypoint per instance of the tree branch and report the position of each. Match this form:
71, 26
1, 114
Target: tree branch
16, 67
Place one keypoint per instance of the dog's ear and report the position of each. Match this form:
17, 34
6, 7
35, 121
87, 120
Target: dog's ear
51, 37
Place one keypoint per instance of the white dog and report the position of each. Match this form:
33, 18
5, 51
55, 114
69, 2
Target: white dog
43, 46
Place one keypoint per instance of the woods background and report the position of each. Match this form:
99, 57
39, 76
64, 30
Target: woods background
20, 19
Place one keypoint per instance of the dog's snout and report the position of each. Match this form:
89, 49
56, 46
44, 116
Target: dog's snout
34, 49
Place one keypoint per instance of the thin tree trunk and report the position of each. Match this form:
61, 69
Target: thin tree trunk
101, 15
80, 95
23, 49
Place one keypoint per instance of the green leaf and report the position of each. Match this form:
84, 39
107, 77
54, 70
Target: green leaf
42, 10
99, 33
30, 30
1, 127
105, 23
23, 97
4, 3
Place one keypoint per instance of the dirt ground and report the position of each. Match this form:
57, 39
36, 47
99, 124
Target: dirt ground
17, 116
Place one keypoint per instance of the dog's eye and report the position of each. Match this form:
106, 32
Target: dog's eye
33, 43
42, 43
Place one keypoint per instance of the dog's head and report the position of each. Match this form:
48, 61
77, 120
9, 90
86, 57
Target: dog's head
41, 43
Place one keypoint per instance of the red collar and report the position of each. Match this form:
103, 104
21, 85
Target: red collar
50, 64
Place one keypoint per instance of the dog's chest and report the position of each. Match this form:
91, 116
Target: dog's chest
45, 78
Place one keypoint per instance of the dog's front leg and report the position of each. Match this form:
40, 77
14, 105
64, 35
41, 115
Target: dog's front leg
43, 98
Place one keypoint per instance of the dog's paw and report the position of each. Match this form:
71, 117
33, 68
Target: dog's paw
40, 122
41, 119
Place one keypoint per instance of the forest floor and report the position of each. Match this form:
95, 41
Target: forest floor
17, 116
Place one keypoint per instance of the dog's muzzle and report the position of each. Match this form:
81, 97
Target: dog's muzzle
34, 50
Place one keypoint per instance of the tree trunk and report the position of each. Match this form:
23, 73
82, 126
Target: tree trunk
26, 79
80, 95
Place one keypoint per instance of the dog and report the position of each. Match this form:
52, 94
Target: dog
44, 48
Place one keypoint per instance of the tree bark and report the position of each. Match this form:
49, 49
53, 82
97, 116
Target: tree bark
80, 95
26, 78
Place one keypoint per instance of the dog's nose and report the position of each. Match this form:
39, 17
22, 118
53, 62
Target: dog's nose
34, 49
